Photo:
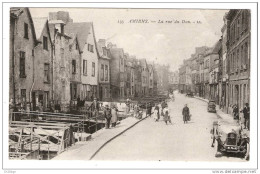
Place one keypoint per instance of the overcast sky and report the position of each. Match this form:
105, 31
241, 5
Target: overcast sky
169, 43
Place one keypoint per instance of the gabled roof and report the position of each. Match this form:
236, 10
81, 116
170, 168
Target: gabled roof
39, 24
15, 11
81, 29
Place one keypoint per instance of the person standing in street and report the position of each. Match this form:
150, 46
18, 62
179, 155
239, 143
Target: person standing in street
107, 114
246, 112
114, 116
166, 115
149, 109
235, 112
157, 113
185, 113
95, 107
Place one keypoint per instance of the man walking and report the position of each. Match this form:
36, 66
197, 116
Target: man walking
185, 113
246, 112
95, 107
107, 114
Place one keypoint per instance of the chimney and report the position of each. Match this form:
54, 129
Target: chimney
102, 42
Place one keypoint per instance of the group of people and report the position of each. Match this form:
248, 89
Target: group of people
246, 114
165, 112
110, 114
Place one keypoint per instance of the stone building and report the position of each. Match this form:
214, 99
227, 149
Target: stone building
89, 58
224, 78
61, 64
22, 43
104, 71
145, 77
75, 69
117, 65
42, 90
214, 72
238, 56
150, 79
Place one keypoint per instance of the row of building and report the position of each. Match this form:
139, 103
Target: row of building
56, 60
222, 72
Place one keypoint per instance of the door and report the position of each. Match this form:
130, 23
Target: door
101, 93
33, 101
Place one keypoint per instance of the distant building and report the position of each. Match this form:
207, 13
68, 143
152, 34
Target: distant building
117, 64
104, 71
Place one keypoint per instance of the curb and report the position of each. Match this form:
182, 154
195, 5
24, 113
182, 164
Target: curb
120, 133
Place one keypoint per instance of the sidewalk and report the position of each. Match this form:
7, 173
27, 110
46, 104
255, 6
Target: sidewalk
227, 117
219, 113
88, 149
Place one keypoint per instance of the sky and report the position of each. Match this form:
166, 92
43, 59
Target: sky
163, 43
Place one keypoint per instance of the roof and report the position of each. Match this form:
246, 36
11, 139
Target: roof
81, 29
143, 62
39, 24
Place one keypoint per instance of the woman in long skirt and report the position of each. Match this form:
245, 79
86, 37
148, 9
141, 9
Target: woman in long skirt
114, 116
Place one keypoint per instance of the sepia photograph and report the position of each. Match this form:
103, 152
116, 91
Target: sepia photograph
129, 84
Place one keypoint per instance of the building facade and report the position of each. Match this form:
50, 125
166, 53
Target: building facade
238, 55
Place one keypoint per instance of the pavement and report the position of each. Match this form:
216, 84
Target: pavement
224, 116
85, 150
156, 141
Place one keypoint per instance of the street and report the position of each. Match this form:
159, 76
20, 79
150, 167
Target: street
156, 141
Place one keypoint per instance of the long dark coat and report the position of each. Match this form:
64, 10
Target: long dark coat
185, 113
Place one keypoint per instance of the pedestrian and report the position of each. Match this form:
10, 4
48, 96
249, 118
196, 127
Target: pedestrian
94, 108
158, 112
246, 112
114, 116
166, 115
149, 109
107, 114
235, 112
155, 115
185, 113
127, 106
135, 110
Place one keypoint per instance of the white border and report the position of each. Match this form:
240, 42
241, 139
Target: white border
153, 165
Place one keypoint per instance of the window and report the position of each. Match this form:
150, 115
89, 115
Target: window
85, 67
46, 73
106, 73
93, 69
238, 27
73, 88
73, 66
104, 51
246, 54
238, 59
122, 62
22, 64
26, 35
45, 43
23, 95
76, 46
90, 48
62, 57
102, 73
242, 55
